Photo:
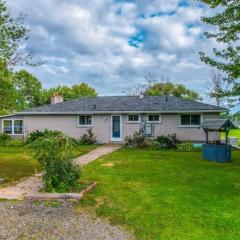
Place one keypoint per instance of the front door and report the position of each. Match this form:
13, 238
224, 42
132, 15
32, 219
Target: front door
116, 133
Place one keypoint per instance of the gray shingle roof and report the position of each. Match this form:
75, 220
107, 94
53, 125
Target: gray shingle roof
125, 104
216, 124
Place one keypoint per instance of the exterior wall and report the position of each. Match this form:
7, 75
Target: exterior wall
69, 125
170, 125
102, 126
129, 128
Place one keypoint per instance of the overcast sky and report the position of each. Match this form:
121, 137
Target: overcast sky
113, 44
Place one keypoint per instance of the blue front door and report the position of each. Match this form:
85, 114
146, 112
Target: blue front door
116, 128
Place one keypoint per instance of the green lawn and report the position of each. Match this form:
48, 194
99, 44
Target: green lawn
166, 195
17, 162
233, 133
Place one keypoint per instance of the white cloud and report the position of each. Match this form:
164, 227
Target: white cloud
167, 58
157, 6
167, 32
190, 14
89, 41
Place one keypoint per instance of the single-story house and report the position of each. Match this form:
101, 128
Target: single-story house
112, 118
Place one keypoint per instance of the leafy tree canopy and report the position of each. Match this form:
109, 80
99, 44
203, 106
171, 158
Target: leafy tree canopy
69, 92
168, 88
227, 23
12, 34
28, 90
7, 90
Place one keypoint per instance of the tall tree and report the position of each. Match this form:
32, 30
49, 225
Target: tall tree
28, 90
227, 23
7, 90
69, 93
216, 87
13, 34
83, 90
163, 86
168, 88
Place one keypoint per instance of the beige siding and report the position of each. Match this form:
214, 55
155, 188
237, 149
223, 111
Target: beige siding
170, 125
102, 126
69, 125
129, 128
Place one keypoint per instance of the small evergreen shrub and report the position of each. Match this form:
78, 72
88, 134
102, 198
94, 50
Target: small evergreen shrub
4, 139
54, 155
167, 142
186, 147
136, 140
33, 136
88, 138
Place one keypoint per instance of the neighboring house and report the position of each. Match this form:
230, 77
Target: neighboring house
113, 118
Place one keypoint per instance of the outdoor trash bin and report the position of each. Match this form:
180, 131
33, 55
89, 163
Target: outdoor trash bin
217, 152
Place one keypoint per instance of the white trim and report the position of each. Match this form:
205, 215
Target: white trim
133, 121
82, 125
115, 112
9, 115
190, 126
159, 121
116, 139
13, 120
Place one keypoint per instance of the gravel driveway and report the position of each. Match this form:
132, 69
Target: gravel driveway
39, 220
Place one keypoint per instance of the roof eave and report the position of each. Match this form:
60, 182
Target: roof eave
113, 112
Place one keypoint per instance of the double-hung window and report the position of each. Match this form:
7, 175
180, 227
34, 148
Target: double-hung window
13, 126
190, 120
133, 118
85, 120
154, 118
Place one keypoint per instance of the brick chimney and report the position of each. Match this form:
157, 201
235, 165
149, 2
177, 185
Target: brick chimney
56, 98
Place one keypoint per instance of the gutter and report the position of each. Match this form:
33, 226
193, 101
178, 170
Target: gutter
114, 112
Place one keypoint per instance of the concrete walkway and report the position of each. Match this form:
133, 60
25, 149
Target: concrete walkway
32, 185
96, 153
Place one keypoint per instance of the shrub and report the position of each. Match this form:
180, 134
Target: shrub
33, 136
88, 137
4, 139
53, 153
186, 147
167, 142
136, 140
15, 143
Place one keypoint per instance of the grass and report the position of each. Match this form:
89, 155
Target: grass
18, 162
166, 195
232, 133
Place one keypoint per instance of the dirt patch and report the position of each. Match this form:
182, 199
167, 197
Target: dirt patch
30, 185
108, 164
29, 220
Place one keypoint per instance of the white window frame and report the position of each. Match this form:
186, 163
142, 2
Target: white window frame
13, 120
159, 121
84, 125
129, 121
190, 126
